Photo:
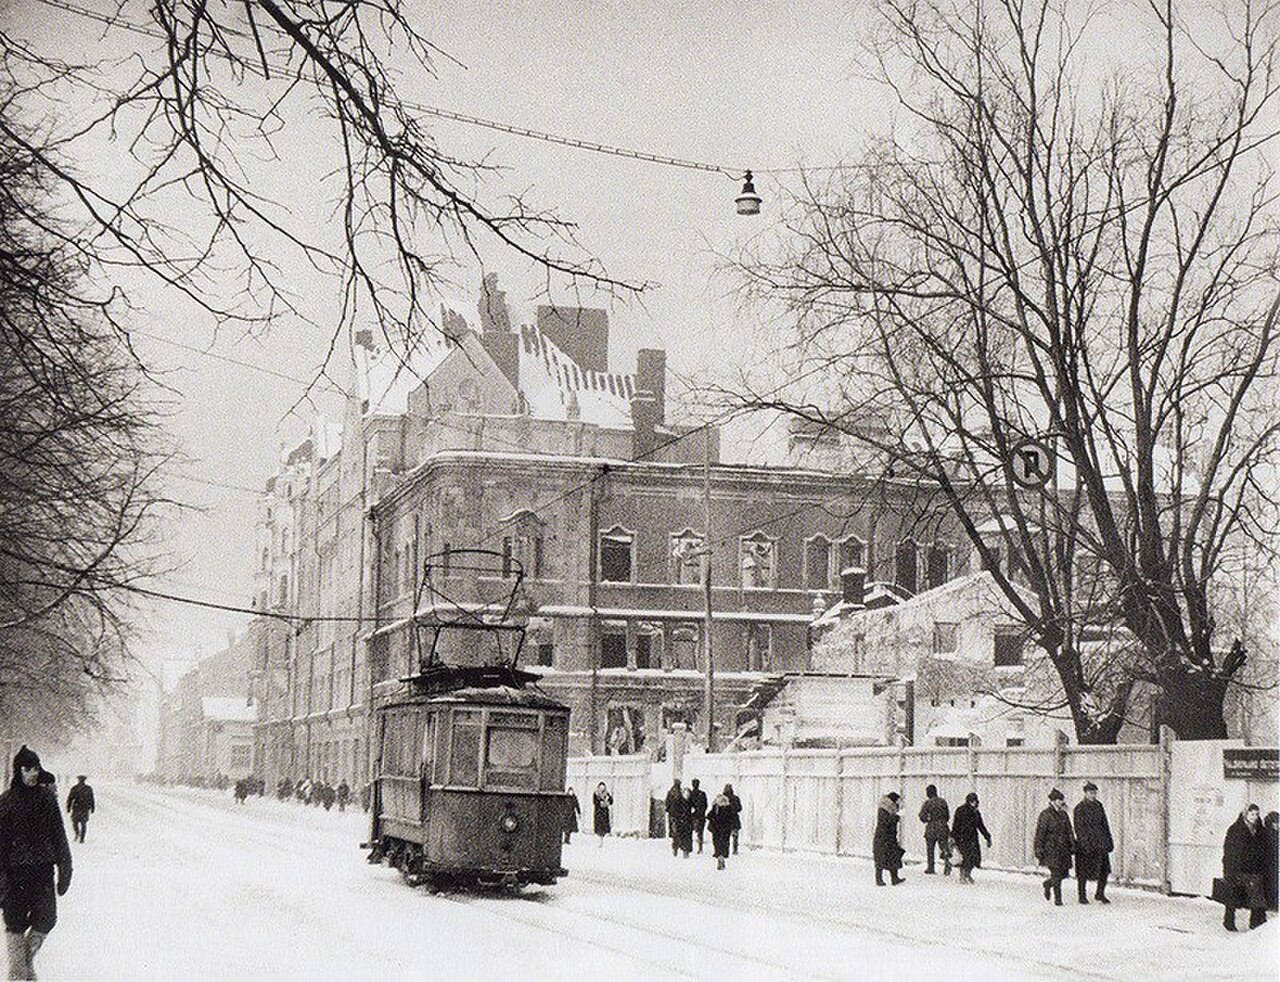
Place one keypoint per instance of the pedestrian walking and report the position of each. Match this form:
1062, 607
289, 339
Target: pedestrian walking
678, 819
965, 829
1244, 864
736, 803
698, 809
1271, 879
885, 847
1093, 845
936, 815
571, 816
343, 794
601, 802
722, 819
1054, 845
80, 806
33, 843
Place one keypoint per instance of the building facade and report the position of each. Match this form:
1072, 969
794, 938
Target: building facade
523, 442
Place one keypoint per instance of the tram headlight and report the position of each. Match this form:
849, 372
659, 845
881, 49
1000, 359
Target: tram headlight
510, 823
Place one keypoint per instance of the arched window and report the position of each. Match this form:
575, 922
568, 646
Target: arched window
853, 553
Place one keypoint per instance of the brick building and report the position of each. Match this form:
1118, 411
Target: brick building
524, 441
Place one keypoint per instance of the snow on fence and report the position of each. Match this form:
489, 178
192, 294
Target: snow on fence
825, 800
628, 780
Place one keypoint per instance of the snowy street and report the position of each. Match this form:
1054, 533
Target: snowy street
180, 883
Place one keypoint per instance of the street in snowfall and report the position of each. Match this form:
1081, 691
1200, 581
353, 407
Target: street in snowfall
178, 883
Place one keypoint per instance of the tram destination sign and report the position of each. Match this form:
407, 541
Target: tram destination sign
1252, 764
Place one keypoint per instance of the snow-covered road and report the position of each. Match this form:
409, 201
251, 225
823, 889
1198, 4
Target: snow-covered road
185, 884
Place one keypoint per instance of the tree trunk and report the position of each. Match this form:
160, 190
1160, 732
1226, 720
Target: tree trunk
1192, 705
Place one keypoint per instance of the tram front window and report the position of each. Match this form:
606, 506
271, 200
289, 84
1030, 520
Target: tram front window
511, 759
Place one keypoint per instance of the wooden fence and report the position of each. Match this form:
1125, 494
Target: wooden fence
825, 801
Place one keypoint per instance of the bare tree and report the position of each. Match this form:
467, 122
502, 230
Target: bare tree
1055, 301
213, 100
79, 449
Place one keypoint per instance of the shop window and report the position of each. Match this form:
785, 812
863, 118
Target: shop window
817, 563
615, 556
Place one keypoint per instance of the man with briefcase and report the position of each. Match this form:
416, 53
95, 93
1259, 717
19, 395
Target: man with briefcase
1244, 862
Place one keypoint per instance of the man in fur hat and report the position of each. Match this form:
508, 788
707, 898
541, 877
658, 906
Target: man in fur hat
33, 841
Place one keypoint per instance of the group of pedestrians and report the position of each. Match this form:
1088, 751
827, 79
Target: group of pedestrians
688, 815
1057, 842
310, 792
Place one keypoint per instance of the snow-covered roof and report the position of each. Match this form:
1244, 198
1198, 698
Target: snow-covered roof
229, 709
385, 379
551, 381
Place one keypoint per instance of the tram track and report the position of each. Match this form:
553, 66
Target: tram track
845, 923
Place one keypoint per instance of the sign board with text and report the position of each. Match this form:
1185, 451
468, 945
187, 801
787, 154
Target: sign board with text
1251, 764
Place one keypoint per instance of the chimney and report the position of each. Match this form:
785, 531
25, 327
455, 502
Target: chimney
651, 377
644, 420
853, 586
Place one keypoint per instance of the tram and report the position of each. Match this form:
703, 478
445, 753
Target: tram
469, 774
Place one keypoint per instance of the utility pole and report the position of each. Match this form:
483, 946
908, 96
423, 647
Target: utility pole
709, 689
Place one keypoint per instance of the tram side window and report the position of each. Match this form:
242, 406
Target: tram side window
511, 752
390, 743
464, 762
553, 747
442, 748
427, 731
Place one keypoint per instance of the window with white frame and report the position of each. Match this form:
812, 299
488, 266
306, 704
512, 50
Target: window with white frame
817, 563
686, 557
756, 561
616, 547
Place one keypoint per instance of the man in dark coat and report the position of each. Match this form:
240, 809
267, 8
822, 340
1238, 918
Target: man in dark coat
1271, 881
343, 794
885, 847
33, 841
736, 804
1093, 845
965, 828
1244, 863
723, 821
936, 814
697, 810
1054, 844
678, 819
80, 807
